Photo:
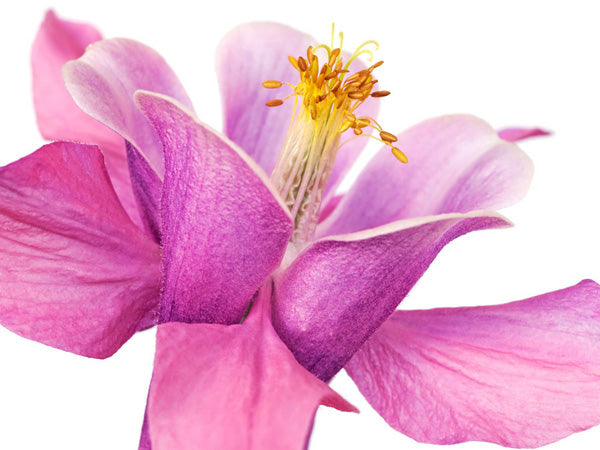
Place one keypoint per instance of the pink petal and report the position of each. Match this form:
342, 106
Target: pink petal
231, 387
57, 42
247, 56
224, 228
59, 118
103, 81
340, 290
518, 134
456, 164
256, 52
75, 272
522, 374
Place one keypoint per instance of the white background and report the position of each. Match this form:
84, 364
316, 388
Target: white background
509, 62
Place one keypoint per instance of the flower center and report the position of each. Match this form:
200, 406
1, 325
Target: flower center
325, 100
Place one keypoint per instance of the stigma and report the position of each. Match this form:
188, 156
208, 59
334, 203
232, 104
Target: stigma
325, 98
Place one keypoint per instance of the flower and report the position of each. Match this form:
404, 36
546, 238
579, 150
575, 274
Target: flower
331, 298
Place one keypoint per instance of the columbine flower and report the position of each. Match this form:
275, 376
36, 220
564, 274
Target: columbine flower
78, 274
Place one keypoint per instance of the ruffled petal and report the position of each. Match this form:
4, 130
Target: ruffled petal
75, 272
518, 134
102, 83
340, 290
58, 117
456, 164
232, 387
522, 374
247, 56
224, 228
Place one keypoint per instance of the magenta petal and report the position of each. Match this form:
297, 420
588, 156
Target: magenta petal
522, 374
340, 290
247, 56
518, 134
148, 189
224, 228
456, 164
103, 81
58, 117
232, 388
75, 272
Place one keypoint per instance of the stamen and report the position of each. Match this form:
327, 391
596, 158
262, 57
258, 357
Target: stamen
272, 84
375, 66
388, 137
380, 94
294, 62
309, 54
274, 103
302, 65
325, 102
398, 154
356, 95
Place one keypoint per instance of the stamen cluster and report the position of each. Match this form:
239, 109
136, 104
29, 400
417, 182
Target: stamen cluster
325, 102
325, 91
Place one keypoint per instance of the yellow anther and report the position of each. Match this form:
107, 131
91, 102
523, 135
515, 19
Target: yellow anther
313, 111
334, 55
320, 81
294, 62
314, 71
356, 95
274, 103
387, 137
309, 54
375, 66
330, 75
380, 94
302, 65
398, 154
272, 84
353, 77
336, 85
345, 126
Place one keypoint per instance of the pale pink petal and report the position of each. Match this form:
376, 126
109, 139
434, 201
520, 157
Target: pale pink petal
456, 164
247, 56
224, 230
338, 291
329, 207
232, 388
522, 374
518, 134
102, 82
256, 52
58, 117
57, 42
75, 272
